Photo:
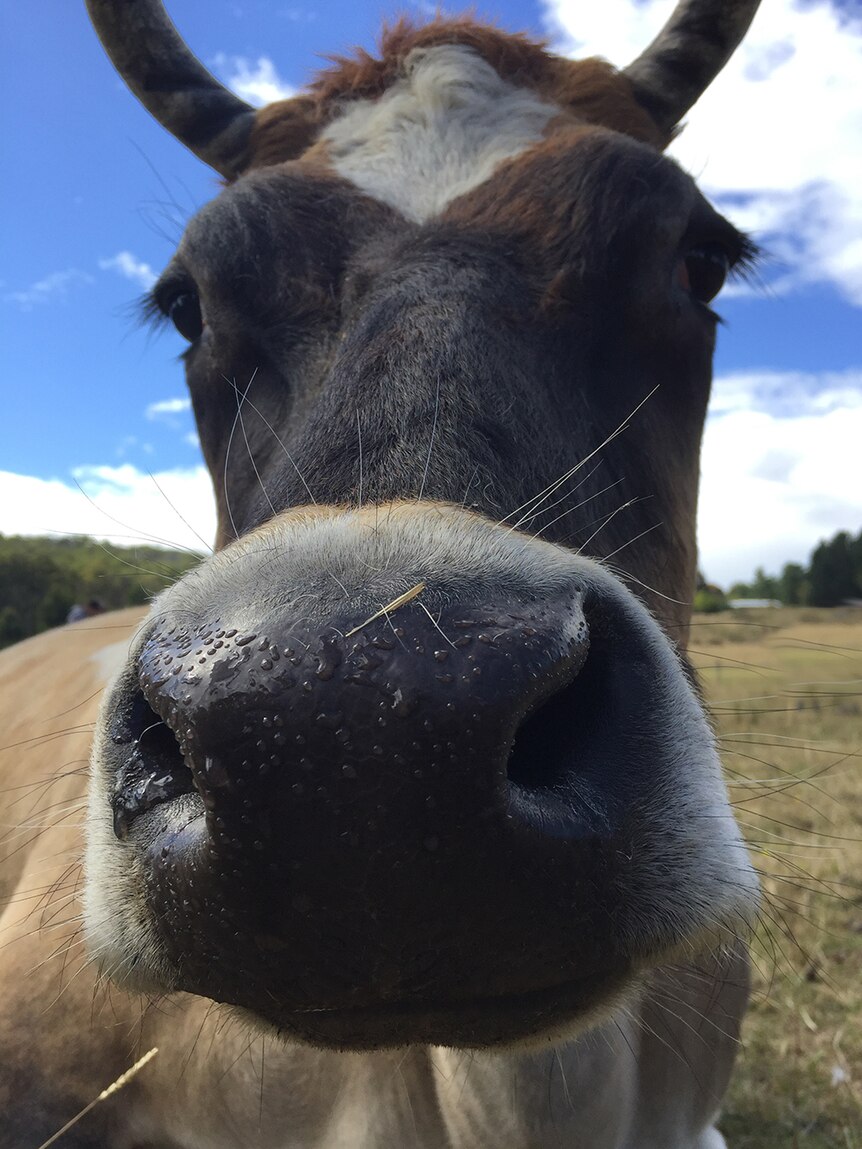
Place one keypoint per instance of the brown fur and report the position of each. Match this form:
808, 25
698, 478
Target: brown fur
590, 91
55, 1059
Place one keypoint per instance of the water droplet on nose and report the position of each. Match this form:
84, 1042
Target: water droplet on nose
215, 772
348, 771
402, 705
330, 720
328, 660
441, 655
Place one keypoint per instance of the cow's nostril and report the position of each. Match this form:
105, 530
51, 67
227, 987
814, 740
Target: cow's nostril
551, 766
154, 770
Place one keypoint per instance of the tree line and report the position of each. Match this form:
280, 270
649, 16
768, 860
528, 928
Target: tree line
42, 579
833, 575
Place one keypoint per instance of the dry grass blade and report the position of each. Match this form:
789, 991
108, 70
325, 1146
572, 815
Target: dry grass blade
401, 600
113, 1088
792, 748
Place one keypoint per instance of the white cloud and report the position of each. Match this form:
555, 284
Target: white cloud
775, 139
130, 267
256, 81
122, 504
779, 469
52, 288
167, 408
786, 394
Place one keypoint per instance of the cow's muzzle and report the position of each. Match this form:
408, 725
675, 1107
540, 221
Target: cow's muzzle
372, 813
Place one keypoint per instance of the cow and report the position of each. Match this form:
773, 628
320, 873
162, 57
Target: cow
404, 823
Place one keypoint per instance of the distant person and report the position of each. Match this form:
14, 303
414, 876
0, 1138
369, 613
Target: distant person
85, 610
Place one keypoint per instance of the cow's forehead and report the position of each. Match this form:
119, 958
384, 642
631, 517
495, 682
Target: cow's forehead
430, 121
437, 132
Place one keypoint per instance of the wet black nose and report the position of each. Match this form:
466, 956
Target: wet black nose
408, 822
409, 729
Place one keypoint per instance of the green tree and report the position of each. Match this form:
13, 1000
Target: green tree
792, 584
710, 599
855, 548
831, 575
764, 585
707, 596
40, 579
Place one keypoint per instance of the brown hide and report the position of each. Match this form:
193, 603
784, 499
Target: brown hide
50, 688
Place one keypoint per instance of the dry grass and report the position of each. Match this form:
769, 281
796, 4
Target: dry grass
785, 687
115, 1086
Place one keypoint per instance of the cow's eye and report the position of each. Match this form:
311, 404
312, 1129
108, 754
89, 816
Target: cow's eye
184, 311
703, 270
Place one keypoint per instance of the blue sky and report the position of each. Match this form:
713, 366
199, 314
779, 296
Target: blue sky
96, 194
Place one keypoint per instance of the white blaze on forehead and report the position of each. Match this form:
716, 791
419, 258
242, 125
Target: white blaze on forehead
437, 132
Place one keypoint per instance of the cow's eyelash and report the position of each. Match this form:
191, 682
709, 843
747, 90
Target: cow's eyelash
746, 262
149, 312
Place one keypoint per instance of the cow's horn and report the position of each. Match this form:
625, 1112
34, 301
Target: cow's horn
171, 83
687, 55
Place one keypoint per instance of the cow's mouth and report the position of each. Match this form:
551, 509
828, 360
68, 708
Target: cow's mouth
474, 1022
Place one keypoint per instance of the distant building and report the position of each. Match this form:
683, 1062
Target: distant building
750, 603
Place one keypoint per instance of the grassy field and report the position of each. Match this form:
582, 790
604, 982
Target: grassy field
785, 687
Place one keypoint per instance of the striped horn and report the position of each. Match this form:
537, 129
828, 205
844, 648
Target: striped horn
687, 55
171, 83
